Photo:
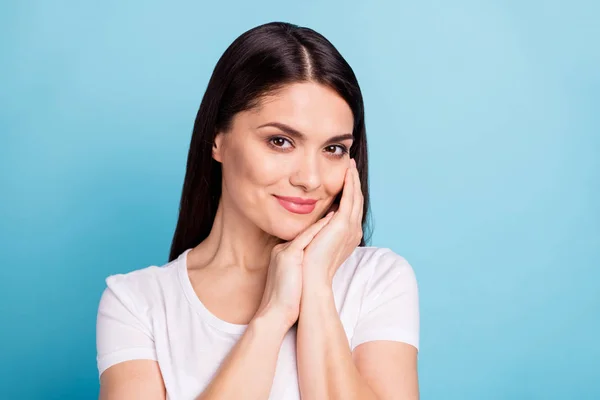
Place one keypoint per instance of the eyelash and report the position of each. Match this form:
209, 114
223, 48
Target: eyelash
344, 149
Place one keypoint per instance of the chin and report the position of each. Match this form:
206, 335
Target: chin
286, 234
290, 230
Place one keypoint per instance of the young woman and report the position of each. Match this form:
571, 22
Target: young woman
269, 292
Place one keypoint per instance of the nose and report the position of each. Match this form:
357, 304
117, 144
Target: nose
307, 174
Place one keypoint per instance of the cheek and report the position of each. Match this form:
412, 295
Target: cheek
248, 173
334, 181
260, 173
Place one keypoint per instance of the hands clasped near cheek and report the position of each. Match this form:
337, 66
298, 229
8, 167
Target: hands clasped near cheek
337, 239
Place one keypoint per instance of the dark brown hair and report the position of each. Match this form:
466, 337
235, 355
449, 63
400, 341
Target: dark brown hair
259, 62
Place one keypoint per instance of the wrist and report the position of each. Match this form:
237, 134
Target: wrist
319, 284
269, 320
317, 290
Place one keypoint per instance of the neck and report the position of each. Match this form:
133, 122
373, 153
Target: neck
234, 242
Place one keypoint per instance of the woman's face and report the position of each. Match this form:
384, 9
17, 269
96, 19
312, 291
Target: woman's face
293, 145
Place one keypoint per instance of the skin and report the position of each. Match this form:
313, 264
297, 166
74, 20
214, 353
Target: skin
249, 220
272, 267
327, 368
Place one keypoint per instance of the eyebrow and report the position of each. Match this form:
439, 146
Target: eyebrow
300, 136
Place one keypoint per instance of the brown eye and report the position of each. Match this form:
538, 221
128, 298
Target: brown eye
279, 143
336, 150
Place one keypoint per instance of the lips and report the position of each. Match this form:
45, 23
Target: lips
297, 205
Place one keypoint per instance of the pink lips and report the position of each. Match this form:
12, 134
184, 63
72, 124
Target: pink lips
297, 205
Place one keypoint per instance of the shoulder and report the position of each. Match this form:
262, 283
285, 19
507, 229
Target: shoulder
131, 312
142, 279
379, 261
389, 297
140, 289
377, 268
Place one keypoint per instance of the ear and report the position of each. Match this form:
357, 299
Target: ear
217, 147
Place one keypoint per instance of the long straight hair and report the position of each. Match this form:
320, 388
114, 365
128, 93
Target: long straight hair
259, 62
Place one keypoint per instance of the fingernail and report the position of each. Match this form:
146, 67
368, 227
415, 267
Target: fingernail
354, 162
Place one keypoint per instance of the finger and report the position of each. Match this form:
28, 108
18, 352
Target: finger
347, 194
304, 239
358, 197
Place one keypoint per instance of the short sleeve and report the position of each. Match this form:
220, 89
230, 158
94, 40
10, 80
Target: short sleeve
390, 307
122, 333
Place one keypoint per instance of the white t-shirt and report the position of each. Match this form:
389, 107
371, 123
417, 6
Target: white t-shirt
153, 313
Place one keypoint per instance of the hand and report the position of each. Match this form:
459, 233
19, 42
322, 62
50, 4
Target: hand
283, 288
337, 240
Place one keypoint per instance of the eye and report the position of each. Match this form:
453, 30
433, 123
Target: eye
279, 142
337, 150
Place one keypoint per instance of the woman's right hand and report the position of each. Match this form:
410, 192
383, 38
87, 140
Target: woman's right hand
283, 288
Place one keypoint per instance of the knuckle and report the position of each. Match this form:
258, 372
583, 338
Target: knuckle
280, 256
285, 255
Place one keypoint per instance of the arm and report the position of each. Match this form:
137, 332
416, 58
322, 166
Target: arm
382, 367
325, 366
125, 348
328, 369
389, 367
247, 372
135, 379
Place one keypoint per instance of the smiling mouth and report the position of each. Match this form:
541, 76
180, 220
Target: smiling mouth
297, 206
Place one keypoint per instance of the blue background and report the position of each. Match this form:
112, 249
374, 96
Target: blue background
483, 120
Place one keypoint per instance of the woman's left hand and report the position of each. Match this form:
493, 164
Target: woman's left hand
338, 239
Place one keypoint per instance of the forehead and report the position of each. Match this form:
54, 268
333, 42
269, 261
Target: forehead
308, 107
